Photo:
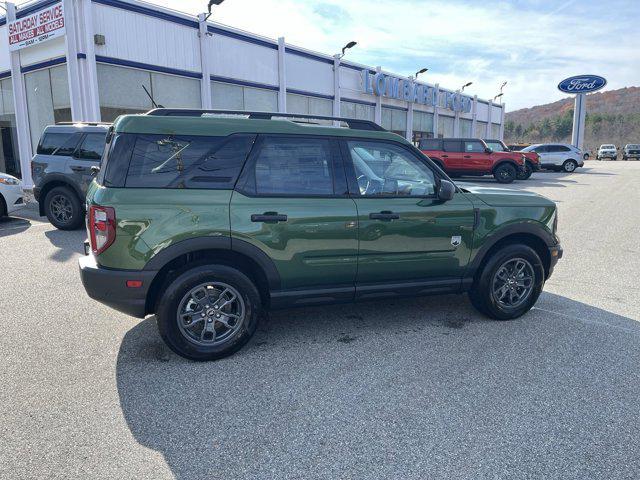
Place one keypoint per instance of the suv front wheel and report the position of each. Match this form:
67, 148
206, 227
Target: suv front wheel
505, 173
509, 284
570, 166
63, 209
208, 312
526, 173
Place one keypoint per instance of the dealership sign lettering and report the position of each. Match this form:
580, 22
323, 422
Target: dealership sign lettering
392, 87
582, 84
41, 26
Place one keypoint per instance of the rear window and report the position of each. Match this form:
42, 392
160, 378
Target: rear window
429, 144
180, 161
452, 146
58, 143
92, 146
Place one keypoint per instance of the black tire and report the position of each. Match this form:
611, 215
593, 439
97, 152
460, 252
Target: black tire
526, 173
3, 207
72, 218
505, 173
585, 156
570, 166
481, 293
181, 284
615, 158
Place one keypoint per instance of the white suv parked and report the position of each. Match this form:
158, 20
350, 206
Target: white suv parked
556, 156
11, 197
607, 151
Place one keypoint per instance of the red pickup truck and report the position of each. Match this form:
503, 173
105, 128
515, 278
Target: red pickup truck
472, 156
532, 159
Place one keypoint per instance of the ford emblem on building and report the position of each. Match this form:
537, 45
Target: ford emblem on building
582, 84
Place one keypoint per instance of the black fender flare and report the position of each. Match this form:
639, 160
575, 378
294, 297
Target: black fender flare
503, 161
236, 245
504, 232
50, 178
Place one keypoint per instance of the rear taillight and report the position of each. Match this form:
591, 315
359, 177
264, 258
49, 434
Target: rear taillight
102, 228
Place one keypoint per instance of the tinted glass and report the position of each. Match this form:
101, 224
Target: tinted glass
293, 166
58, 143
496, 146
385, 169
452, 145
427, 144
557, 148
473, 147
92, 146
165, 161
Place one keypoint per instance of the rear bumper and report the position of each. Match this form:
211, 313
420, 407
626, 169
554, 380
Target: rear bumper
109, 286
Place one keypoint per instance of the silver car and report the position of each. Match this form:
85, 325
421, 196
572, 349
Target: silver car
63, 167
558, 156
631, 150
607, 151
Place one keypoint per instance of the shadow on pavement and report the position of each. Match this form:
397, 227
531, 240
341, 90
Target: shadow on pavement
67, 243
13, 226
420, 388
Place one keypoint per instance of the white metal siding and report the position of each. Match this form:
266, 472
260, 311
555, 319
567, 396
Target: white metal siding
309, 75
233, 58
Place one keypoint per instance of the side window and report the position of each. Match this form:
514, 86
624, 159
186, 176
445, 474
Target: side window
429, 144
58, 143
473, 146
167, 161
452, 145
384, 169
92, 147
293, 166
541, 149
562, 148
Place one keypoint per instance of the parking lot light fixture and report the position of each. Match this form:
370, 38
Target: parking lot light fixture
468, 84
347, 47
211, 4
422, 70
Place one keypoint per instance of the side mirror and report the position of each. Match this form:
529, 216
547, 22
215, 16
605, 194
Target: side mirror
95, 170
446, 190
488, 150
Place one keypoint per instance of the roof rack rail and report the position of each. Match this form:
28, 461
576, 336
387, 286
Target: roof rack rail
93, 124
352, 123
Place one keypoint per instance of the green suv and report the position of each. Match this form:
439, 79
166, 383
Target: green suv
207, 220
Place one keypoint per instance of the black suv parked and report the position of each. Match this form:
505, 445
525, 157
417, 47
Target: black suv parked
63, 168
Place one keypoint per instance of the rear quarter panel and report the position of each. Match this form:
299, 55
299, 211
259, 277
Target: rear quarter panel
150, 220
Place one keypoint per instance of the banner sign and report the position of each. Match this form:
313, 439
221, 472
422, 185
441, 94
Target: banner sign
391, 87
40, 26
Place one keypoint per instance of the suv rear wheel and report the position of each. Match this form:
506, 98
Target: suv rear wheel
63, 209
509, 284
208, 312
3, 207
570, 166
505, 173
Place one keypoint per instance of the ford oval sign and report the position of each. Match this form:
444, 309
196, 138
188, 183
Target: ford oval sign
582, 84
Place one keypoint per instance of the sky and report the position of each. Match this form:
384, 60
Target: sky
531, 44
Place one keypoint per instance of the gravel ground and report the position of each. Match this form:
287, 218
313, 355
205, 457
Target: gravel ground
403, 389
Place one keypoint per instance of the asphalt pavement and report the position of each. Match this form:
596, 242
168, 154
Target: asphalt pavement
393, 389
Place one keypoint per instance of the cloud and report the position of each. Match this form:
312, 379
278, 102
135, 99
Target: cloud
531, 43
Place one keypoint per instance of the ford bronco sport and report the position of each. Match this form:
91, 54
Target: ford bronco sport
531, 159
472, 156
205, 221
62, 169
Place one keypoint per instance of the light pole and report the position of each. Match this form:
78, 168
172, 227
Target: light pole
468, 84
422, 70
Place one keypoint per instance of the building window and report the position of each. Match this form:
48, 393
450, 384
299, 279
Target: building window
466, 128
306, 105
236, 97
445, 126
9, 159
358, 111
120, 90
481, 130
47, 99
422, 126
495, 131
394, 120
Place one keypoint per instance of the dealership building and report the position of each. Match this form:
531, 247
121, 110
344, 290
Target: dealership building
88, 60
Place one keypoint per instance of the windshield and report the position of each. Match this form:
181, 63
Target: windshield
496, 146
530, 148
634, 146
608, 146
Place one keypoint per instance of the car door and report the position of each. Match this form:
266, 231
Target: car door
453, 155
292, 203
406, 234
475, 156
545, 155
85, 156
